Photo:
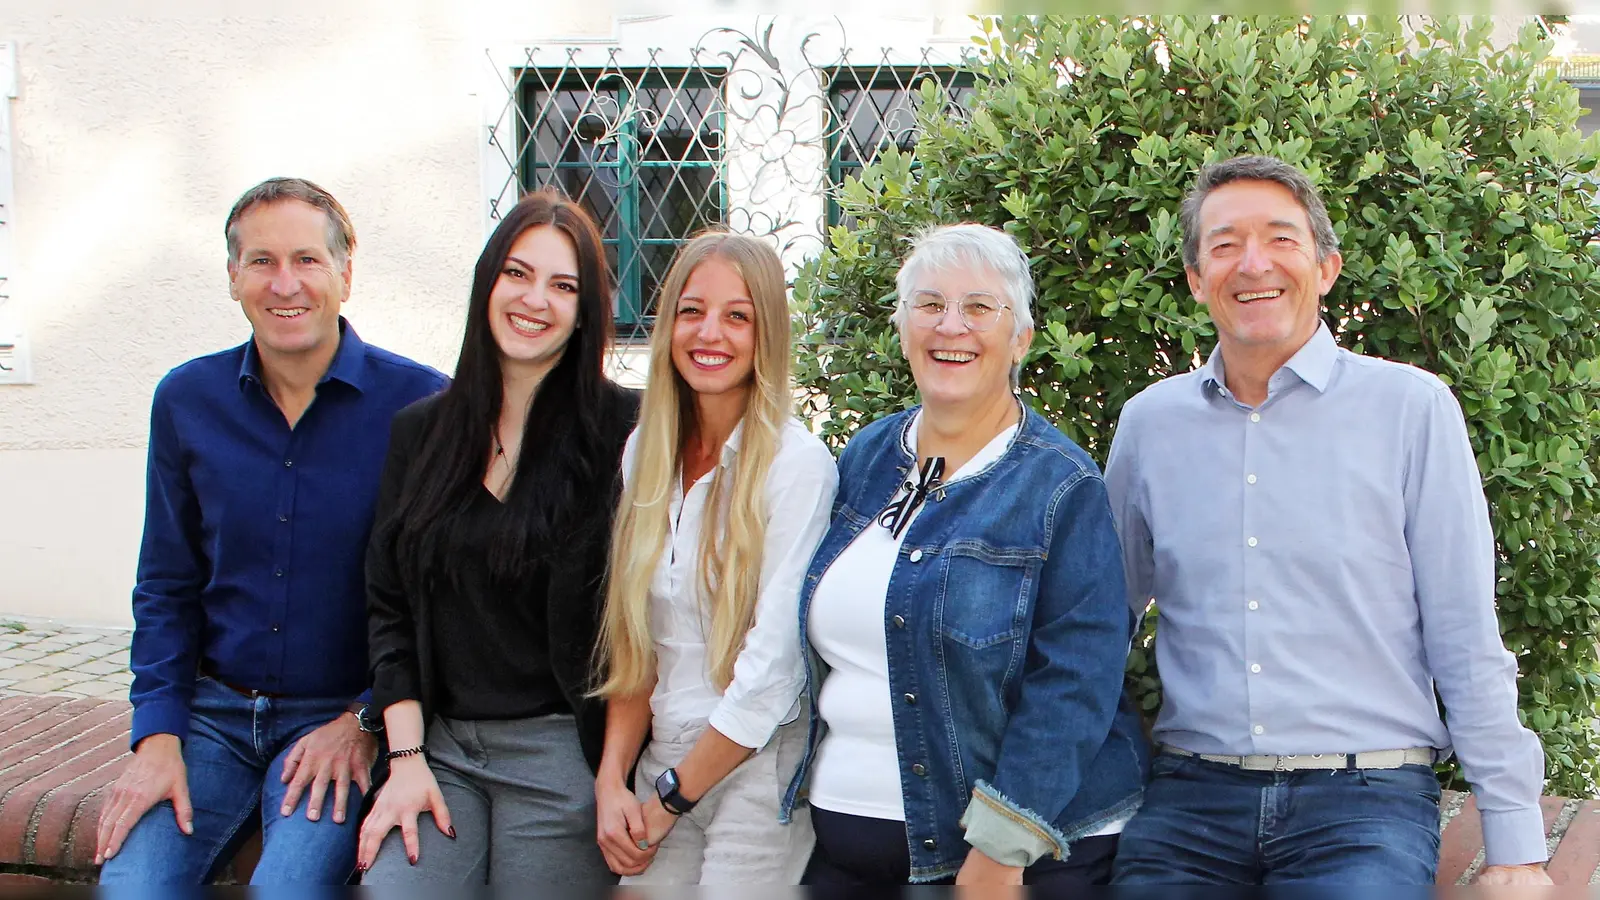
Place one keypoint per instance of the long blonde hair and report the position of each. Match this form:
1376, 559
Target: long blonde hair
733, 532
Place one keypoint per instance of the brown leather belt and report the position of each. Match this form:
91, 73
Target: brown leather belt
210, 671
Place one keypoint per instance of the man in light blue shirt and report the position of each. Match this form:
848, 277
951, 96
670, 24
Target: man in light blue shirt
1312, 525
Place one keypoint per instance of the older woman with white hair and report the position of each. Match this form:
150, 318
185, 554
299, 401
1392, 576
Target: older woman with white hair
966, 615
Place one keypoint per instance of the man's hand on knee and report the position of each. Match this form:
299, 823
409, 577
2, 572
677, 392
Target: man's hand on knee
156, 774
338, 753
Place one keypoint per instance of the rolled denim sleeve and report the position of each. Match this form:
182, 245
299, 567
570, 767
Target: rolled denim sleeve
1073, 671
1452, 552
172, 570
768, 676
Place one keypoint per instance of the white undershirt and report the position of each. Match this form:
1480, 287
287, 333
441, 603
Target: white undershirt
857, 771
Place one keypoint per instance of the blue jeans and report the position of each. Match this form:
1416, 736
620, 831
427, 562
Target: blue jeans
1208, 823
234, 756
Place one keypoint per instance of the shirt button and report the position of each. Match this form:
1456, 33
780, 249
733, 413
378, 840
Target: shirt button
282, 517
1251, 542
1250, 479
278, 572
1254, 605
1255, 417
911, 699
275, 628
1259, 730
919, 769
1255, 668
899, 621
288, 464
916, 556
930, 844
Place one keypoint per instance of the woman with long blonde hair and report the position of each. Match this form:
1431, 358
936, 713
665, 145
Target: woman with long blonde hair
725, 496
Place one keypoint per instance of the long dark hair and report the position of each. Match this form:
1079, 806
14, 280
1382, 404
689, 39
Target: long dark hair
563, 442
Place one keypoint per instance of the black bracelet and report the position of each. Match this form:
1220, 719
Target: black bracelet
409, 751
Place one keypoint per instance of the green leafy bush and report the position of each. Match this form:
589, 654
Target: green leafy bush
1464, 200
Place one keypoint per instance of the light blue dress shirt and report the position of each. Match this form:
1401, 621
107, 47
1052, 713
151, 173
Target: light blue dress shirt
1322, 563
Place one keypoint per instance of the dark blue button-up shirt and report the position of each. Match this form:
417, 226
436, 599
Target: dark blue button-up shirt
255, 533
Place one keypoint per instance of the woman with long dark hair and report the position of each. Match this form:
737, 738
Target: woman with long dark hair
484, 574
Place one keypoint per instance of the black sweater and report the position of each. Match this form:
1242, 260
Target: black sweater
403, 644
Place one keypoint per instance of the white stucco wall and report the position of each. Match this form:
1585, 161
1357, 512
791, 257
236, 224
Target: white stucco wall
135, 128
133, 134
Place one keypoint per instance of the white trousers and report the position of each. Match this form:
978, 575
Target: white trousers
732, 836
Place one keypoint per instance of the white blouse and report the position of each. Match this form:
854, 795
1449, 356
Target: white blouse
768, 675
857, 771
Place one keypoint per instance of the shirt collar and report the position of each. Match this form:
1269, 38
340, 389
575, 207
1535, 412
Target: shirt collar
1313, 362
347, 366
730, 447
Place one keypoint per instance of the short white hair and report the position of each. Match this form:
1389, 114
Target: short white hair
969, 245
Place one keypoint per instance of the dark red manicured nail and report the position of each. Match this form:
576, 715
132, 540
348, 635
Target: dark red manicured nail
413, 860
452, 832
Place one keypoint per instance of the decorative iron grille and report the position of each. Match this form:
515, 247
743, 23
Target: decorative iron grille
749, 131
876, 107
641, 149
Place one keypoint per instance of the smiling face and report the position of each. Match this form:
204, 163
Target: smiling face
533, 307
953, 364
714, 330
1257, 270
289, 282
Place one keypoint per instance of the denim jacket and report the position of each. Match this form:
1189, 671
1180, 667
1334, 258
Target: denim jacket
1007, 629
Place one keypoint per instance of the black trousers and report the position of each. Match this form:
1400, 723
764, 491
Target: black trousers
856, 851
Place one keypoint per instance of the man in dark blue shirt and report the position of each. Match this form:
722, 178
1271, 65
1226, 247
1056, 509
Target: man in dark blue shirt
249, 647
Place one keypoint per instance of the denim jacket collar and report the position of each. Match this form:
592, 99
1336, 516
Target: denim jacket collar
993, 565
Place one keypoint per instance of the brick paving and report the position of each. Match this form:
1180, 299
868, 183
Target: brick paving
42, 657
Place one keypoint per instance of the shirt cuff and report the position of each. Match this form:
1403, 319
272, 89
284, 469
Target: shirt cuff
1514, 837
749, 728
158, 717
1007, 833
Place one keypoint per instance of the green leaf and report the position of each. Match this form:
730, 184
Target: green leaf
1460, 190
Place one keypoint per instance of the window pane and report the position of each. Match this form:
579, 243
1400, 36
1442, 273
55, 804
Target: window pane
654, 260
641, 150
874, 108
675, 202
680, 122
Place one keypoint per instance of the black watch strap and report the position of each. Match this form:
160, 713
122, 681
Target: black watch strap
672, 799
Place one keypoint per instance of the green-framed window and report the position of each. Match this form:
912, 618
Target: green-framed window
876, 106
641, 150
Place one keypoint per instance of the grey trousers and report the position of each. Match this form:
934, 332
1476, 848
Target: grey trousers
732, 836
521, 799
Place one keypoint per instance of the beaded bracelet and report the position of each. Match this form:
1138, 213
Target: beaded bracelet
409, 751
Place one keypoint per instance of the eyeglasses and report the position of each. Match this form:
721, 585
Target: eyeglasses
979, 310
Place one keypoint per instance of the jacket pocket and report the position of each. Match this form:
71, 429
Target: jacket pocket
981, 602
